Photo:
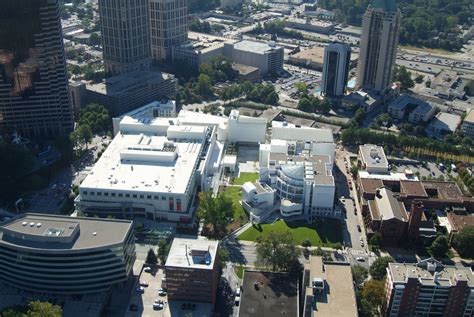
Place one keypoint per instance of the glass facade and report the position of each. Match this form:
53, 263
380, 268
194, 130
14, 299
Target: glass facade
34, 97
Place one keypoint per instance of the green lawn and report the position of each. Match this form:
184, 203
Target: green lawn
325, 233
239, 271
240, 216
246, 177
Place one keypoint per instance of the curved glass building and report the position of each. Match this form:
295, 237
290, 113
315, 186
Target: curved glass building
66, 255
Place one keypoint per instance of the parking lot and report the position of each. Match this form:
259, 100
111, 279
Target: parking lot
429, 170
144, 301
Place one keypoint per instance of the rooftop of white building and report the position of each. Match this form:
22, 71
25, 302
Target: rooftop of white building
294, 133
192, 253
373, 156
40, 231
255, 47
148, 164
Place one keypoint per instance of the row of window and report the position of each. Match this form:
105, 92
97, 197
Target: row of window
171, 200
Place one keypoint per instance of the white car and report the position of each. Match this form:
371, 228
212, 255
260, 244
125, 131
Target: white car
147, 269
161, 292
360, 259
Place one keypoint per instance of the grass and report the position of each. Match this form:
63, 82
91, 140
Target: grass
240, 216
239, 271
426, 49
324, 233
245, 177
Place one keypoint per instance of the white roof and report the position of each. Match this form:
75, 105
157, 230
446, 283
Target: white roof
254, 47
248, 187
199, 118
373, 156
388, 177
288, 131
192, 253
149, 164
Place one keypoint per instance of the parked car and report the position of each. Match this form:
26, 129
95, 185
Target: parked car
140, 290
147, 269
144, 284
158, 304
358, 228
161, 292
360, 259
133, 307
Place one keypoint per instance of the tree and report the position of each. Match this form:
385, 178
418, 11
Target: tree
216, 212
272, 98
204, 86
84, 134
304, 104
376, 240
359, 116
359, 274
378, 269
96, 117
419, 79
306, 243
402, 75
277, 250
95, 39
324, 106
374, 292
463, 242
354, 171
302, 88
223, 255
163, 251
440, 246
364, 307
151, 257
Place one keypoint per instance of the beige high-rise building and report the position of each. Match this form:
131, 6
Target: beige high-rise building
378, 45
168, 26
125, 35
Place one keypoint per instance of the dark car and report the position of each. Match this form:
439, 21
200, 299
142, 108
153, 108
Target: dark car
358, 228
133, 307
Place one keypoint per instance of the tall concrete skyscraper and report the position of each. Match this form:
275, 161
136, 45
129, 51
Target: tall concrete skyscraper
337, 58
34, 97
378, 45
168, 26
125, 35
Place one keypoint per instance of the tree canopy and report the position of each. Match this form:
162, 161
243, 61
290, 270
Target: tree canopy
359, 274
277, 251
34, 309
217, 212
463, 242
440, 246
402, 75
96, 117
378, 269
373, 292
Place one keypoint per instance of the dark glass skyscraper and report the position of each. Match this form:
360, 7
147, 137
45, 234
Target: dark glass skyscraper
34, 98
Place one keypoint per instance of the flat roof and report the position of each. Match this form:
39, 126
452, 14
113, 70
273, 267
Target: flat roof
437, 274
192, 253
370, 185
254, 47
470, 117
388, 177
339, 297
444, 190
445, 121
288, 131
121, 84
373, 156
459, 222
146, 163
39, 231
413, 188
268, 294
